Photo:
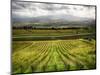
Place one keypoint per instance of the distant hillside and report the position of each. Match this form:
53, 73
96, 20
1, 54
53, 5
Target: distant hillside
53, 21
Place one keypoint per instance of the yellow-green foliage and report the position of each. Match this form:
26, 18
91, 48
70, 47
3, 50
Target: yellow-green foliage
53, 55
38, 32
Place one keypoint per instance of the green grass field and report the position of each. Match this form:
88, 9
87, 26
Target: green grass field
39, 32
53, 55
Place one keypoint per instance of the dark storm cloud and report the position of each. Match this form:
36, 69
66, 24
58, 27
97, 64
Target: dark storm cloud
31, 9
52, 7
33, 6
88, 7
65, 7
16, 6
78, 8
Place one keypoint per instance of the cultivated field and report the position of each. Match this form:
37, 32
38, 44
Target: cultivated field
49, 37
53, 55
50, 32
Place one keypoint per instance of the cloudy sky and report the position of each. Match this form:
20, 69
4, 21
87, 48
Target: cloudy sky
33, 10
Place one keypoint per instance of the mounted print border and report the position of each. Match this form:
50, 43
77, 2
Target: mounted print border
52, 37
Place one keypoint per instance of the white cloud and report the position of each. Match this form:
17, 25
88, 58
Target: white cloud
25, 9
